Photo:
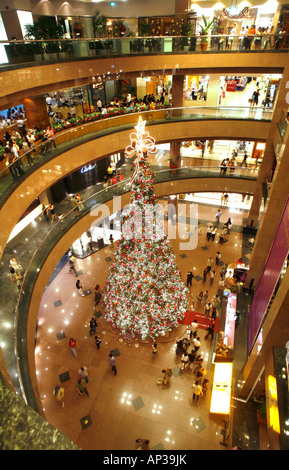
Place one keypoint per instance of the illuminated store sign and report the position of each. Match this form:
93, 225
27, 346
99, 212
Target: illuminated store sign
274, 421
221, 391
87, 168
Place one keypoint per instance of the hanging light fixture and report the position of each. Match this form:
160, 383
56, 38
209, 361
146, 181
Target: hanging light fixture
233, 12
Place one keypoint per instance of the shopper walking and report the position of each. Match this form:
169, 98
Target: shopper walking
83, 373
112, 362
197, 391
209, 232
194, 328
244, 162
212, 276
154, 349
210, 330
98, 342
52, 212
79, 202
218, 258
214, 232
45, 212
200, 297
73, 346
190, 277
74, 205
205, 273
93, 325
198, 362
204, 387
210, 263
78, 285
207, 309
196, 343
218, 215
71, 265
81, 387
184, 361
206, 295
58, 392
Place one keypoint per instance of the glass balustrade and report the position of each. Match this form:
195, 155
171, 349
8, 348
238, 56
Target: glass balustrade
49, 50
12, 173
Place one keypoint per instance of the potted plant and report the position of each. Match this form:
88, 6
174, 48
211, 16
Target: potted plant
99, 24
186, 31
173, 162
262, 413
204, 32
44, 28
144, 30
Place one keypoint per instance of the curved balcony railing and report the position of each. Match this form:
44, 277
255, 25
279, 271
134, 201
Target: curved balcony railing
43, 241
22, 52
12, 174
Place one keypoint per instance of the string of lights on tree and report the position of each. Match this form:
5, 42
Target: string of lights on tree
145, 295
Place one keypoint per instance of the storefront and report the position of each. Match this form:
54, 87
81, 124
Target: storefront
93, 240
196, 87
238, 90
80, 100
122, 27
237, 17
156, 85
219, 149
84, 178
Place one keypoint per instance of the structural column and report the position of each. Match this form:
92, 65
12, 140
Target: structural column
12, 24
277, 198
181, 7
278, 192
36, 112
260, 361
177, 92
175, 154
269, 154
264, 174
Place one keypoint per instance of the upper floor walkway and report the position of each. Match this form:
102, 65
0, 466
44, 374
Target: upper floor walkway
21, 52
79, 146
35, 67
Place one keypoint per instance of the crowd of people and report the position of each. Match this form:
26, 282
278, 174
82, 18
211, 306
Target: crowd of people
20, 140
14, 115
193, 360
249, 37
231, 163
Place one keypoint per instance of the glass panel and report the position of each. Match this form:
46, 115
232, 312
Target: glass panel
66, 49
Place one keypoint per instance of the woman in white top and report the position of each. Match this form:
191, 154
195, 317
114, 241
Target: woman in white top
184, 360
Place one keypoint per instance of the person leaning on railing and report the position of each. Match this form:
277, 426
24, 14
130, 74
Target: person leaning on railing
251, 34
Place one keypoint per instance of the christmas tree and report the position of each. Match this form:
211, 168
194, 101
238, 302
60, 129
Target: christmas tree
145, 294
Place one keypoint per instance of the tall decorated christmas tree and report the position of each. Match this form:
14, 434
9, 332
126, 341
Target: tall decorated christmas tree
145, 295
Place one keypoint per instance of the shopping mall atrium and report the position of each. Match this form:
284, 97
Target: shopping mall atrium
144, 211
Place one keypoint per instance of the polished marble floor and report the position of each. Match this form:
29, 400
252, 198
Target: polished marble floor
130, 405
122, 408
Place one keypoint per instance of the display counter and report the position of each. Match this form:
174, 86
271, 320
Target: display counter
230, 319
221, 389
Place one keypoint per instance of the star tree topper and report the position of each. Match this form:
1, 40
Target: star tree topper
141, 143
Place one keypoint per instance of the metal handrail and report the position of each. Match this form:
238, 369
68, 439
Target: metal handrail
169, 109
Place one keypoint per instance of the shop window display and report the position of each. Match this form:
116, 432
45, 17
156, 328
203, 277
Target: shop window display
196, 88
